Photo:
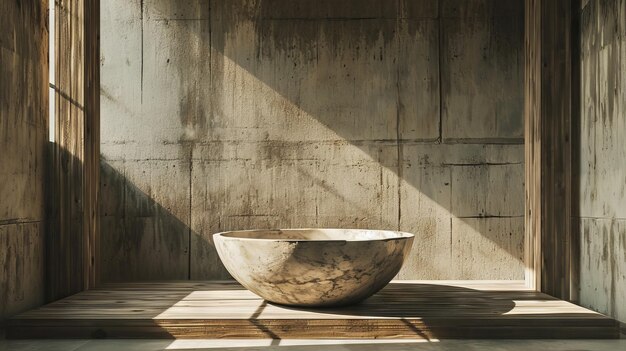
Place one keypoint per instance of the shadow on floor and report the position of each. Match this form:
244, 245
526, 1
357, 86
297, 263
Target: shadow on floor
427, 311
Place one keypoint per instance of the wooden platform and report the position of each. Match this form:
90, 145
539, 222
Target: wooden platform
404, 309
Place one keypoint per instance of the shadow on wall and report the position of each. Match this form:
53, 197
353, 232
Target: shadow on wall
363, 114
138, 220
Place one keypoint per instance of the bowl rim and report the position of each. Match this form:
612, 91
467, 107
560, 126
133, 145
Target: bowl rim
400, 235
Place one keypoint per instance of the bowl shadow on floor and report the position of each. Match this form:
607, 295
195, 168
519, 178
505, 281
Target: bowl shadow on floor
410, 311
435, 311
420, 311
418, 306
411, 300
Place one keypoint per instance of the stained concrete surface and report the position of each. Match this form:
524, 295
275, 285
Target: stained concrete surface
23, 143
224, 115
602, 221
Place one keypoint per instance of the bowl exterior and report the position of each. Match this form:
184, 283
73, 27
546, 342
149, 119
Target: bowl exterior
313, 273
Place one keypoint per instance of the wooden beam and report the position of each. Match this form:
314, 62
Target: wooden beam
532, 135
92, 142
549, 102
74, 162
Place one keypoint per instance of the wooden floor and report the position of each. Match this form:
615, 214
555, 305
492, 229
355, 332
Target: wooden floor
404, 309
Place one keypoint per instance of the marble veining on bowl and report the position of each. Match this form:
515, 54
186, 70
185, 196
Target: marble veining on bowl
313, 267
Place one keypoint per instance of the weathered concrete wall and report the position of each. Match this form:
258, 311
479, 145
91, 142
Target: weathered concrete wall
603, 157
23, 140
220, 115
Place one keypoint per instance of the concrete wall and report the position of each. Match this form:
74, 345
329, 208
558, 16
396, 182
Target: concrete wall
603, 157
23, 141
237, 114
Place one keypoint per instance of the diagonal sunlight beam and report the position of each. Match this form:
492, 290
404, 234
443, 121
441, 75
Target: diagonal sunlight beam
267, 142
428, 217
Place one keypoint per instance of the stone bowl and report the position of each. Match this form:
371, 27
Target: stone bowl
313, 267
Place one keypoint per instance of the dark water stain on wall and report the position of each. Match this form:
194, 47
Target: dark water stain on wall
603, 156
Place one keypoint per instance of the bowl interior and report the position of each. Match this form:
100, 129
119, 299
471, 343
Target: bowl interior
317, 234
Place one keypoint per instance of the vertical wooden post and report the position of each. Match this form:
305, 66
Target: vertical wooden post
92, 141
576, 113
532, 135
549, 95
74, 162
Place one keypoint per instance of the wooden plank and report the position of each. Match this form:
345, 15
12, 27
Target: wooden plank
556, 57
532, 145
407, 329
74, 163
91, 192
548, 125
404, 309
576, 154
64, 244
